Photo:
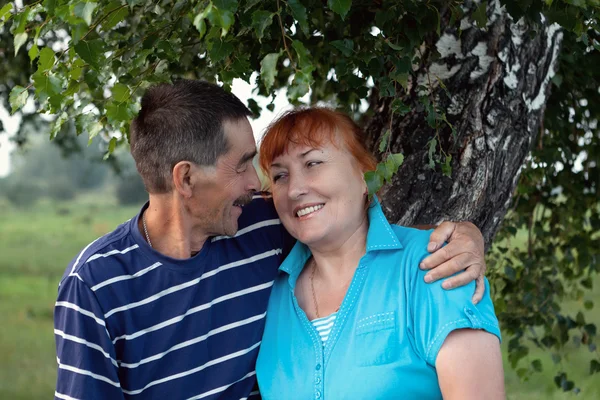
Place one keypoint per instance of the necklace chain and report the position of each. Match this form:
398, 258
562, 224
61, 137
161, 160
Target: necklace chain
312, 287
146, 229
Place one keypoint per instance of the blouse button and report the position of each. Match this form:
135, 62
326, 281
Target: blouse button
318, 367
318, 394
318, 380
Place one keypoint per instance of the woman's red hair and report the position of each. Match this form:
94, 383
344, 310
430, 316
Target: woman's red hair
313, 127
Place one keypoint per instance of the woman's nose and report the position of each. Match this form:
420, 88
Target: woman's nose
297, 186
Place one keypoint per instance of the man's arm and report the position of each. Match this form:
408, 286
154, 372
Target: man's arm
87, 366
469, 366
464, 252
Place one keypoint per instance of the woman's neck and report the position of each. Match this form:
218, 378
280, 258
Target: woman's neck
341, 259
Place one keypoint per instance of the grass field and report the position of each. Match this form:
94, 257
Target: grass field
37, 244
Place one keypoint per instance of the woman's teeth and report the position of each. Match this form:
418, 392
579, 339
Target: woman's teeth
308, 210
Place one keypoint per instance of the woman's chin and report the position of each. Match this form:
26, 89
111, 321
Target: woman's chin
311, 238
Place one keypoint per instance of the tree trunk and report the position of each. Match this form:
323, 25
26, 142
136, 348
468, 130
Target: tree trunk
497, 81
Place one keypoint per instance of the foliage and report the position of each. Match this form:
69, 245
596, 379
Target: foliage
43, 169
89, 61
23, 193
130, 190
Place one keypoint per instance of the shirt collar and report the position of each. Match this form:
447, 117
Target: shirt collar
380, 236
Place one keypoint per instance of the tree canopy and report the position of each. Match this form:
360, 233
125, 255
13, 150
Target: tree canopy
88, 62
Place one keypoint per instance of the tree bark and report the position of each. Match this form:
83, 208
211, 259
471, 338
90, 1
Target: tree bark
497, 81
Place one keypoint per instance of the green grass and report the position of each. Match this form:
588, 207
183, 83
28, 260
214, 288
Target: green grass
37, 244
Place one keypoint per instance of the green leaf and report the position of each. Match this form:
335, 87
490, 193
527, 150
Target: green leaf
47, 59
447, 166
46, 85
384, 141
226, 5
394, 161
118, 112
304, 60
91, 51
167, 48
120, 92
301, 83
261, 20
220, 49
480, 15
537, 365
345, 46
394, 46
49, 6
299, 14
398, 107
374, 182
431, 152
20, 20
268, 69
57, 124
76, 69
33, 52
385, 172
221, 18
112, 145
85, 10
114, 18
19, 40
254, 108
5, 13
94, 129
340, 7
588, 305
18, 98
199, 20
402, 79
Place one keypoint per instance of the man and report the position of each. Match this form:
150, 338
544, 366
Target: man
172, 303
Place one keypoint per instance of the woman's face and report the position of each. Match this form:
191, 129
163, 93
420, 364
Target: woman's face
319, 194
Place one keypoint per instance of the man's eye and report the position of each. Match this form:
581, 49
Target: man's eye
242, 170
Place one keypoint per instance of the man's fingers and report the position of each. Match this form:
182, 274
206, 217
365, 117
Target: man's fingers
459, 280
440, 235
447, 268
440, 256
479, 290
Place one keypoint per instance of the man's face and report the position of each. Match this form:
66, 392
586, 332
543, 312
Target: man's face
231, 182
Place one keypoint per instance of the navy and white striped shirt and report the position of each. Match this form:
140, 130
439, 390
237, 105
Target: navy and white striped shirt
131, 323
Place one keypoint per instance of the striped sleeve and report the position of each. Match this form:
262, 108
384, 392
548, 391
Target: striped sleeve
87, 365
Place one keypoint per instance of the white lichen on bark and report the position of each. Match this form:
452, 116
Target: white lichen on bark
553, 45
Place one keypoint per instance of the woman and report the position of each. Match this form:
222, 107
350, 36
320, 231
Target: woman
344, 320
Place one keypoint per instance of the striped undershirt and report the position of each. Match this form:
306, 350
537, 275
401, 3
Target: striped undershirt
324, 325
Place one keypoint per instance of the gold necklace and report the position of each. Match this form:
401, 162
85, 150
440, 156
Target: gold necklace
312, 286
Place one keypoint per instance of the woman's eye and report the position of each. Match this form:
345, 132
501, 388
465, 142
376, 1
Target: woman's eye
277, 177
313, 163
241, 171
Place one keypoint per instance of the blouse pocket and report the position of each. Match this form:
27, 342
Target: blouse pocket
376, 339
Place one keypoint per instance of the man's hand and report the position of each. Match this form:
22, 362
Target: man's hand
464, 252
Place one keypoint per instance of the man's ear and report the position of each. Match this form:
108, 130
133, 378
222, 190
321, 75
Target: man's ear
188, 177
183, 183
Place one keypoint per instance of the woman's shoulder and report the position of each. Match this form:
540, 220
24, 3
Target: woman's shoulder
413, 241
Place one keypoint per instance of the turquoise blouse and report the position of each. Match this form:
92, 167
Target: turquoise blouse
388, 331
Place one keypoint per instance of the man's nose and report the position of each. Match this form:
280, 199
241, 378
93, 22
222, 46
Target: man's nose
253, 183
